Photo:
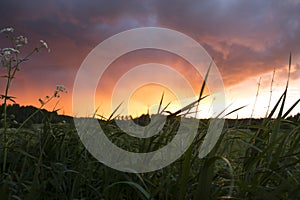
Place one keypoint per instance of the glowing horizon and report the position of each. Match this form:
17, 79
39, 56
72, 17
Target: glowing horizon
235, 96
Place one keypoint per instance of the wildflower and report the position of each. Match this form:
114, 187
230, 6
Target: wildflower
7, 30
8, 51
59, 88
21, 40
44, 44
6, 54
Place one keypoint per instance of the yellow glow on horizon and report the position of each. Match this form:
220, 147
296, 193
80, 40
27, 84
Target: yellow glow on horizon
149, 96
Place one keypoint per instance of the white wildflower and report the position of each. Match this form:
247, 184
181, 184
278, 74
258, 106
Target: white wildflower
8, 51
44, 44
21, 40
6, 56
7, 30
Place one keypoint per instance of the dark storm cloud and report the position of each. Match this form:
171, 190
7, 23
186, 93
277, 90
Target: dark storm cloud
250, 36
244, 37
70, 19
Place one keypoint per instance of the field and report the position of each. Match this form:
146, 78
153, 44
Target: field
250, 161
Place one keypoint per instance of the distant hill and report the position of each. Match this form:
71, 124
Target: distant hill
17, 114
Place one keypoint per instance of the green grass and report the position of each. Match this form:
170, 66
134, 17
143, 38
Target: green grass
247, 163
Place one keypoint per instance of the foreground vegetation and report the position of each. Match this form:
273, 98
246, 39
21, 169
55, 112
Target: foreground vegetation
50, 162
258, 159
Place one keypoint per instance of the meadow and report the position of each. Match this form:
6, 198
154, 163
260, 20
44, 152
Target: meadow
253, 159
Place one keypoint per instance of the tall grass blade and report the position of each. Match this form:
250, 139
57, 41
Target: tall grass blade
95, 113
206, 178
185, 172
279, 117
160, 103
271, 92
256, 97
164, 109
188, 107
188, 153
116, 109
290, 109
235, 110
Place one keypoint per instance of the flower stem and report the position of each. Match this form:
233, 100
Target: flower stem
5, 140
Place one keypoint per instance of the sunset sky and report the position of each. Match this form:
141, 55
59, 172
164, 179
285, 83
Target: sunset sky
246, 39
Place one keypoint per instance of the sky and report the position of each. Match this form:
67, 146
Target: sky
246, 39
